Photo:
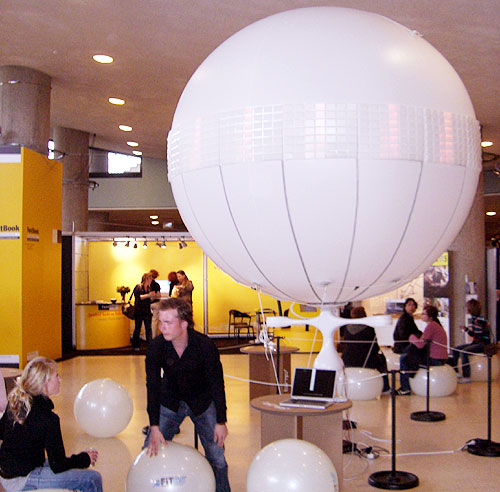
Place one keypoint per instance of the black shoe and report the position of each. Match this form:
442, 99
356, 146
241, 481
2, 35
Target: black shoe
402, 392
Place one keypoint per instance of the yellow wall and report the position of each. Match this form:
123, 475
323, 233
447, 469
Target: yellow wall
30, 286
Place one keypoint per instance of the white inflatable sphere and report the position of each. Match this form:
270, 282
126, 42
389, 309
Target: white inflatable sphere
175, 468
443, 381
292, 465
103, 408
479, 367
362, 383
331, 115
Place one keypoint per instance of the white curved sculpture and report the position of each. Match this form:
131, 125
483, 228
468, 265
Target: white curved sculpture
361, 383
443, 381
350, 105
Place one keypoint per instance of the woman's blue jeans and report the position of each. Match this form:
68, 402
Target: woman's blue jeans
75, 479
204, 425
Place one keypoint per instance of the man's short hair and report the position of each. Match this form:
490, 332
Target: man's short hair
474, 307
184, 310
154, 273
358, 312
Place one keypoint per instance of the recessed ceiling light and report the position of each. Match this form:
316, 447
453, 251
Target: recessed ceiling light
153, 217
116, 100
136, 152
486, 143
103, 58
491, 213
125, 128
155, 222
133, 144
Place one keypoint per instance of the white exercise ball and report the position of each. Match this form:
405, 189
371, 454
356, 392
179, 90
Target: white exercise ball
329, 113
291, 465
175, 468
362, 383
479, 367
443, 381
103, 408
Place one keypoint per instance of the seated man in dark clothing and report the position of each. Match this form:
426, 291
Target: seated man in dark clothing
360, 347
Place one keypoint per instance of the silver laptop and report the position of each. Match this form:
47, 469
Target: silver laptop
312, 388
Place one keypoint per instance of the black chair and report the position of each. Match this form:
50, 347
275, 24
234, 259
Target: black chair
239, 321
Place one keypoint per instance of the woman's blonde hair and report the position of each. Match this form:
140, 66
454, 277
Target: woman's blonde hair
31, 383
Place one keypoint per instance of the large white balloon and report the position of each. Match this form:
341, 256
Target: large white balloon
443, 381
361, 383
176, 468
291, 465
479, 367
324, 155
103, 408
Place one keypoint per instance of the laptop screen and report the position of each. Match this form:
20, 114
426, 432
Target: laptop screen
313, 383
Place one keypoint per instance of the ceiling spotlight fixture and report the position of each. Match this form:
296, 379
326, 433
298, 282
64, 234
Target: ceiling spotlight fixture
103, 58
180, 245
115, 244
155, 222
135, 245
137, 152
132, 144
153, 217
145, 245
127, 244
486, 143
184, 244
491, 213
168, 225
125, 128
163, 245
117, 101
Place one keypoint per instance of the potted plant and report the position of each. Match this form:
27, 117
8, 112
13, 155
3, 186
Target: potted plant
123, 290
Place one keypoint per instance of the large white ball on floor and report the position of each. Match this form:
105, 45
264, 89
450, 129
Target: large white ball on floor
443, 381
479, 367
292, 465
362, 383
175, 468
343, 102
103, 408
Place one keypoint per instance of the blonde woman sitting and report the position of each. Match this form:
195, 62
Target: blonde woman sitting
29, 429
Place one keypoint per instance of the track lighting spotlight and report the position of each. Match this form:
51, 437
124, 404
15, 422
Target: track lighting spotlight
135, 245
163, 245
127, 244
145, 245
115, 244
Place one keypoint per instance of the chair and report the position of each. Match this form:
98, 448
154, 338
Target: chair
239, 321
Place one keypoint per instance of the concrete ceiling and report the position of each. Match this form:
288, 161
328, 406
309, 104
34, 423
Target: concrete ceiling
158, 44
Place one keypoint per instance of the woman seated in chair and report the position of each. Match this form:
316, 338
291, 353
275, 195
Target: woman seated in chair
30, 429
360, 347
433, 342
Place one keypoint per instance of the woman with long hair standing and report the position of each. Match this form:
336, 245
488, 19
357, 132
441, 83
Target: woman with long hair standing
30, 429
143, 295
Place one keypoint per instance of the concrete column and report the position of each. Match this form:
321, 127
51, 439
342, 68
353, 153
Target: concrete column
24, 107
74, 146
467, 257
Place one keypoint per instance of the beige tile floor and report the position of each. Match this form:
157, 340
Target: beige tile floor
431, 450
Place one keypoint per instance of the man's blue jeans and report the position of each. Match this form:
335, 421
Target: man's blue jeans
204, 425
75, 479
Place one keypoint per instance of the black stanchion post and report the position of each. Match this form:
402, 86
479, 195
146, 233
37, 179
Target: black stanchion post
393, 479
278, 363
427, 415
486, 447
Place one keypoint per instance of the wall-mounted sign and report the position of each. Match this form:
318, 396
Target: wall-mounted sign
9, 231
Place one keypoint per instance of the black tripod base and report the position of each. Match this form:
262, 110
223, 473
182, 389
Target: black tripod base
428, 416
393, 480
484, 447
